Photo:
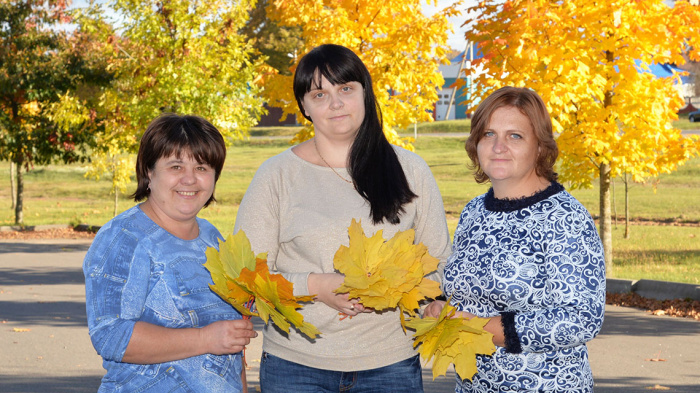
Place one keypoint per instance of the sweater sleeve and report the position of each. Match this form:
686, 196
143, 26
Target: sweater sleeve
116, 284
431, 226
577, 277
259, 218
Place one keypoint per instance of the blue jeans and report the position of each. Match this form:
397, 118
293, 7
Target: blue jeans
282, 376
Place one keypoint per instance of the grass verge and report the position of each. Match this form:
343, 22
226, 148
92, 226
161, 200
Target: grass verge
59, 194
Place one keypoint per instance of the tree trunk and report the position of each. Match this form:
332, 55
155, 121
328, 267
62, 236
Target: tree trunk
614, 204
13, 192
627, 208
605, 215
116, 201
19, 219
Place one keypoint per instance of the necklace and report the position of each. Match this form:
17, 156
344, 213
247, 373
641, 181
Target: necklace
325, 162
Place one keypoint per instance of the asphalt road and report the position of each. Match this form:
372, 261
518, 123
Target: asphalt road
44, 343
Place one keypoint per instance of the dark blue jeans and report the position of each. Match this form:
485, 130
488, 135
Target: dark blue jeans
282, 376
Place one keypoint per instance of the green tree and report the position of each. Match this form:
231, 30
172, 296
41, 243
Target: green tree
587, 61
42, 69
172, 56
277, 43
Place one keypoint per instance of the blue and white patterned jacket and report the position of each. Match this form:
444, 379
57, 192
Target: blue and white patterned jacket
538, 262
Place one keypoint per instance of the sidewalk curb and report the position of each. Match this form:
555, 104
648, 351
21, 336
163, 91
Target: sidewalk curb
652, 289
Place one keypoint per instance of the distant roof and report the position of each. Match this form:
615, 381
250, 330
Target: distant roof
475, 52
658, 70
665, 71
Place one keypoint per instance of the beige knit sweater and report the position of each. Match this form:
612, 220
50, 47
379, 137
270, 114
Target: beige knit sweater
299, 214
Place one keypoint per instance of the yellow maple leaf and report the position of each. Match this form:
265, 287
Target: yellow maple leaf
452, 340
386, 275
240, 277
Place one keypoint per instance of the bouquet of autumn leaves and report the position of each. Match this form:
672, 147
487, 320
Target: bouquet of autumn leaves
451, 339
386, 275
240, 277
389, 274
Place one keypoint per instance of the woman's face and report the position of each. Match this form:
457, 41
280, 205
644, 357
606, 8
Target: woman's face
335, 109
180, 187
508, 149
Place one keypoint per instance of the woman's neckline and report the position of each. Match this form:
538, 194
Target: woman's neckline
492, 203
140, 206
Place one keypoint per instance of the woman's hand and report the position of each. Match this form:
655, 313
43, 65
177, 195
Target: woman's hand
227, 337
157, 344
434, 309
323, 285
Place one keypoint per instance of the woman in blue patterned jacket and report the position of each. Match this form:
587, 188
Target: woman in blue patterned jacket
526, 254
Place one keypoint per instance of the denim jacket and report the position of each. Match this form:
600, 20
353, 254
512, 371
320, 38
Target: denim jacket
137, 271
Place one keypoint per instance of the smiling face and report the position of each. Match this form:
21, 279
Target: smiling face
335, 109
507, 154
179, 188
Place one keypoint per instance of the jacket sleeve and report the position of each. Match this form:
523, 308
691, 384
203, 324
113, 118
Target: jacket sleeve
431, 225
575, 285
117, 270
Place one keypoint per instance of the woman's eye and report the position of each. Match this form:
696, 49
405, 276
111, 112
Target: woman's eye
516, 136
346, 88
488, 133
318, 95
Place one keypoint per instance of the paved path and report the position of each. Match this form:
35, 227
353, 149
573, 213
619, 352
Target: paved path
44, 344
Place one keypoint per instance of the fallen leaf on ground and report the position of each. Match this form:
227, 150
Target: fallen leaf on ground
20, 330
686, 308
657, 387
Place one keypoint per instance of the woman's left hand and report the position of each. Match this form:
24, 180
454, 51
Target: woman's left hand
323, 285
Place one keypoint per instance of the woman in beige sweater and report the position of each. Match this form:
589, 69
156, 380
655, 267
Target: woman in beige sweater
298, 209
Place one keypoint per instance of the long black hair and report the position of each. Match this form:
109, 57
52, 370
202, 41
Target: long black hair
375, 169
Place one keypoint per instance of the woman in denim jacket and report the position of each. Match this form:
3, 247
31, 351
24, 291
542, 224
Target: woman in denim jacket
151, 314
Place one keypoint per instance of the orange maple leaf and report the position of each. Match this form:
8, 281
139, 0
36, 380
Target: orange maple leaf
241, 277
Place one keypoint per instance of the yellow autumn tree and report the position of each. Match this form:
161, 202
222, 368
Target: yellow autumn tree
589, 62
400, 46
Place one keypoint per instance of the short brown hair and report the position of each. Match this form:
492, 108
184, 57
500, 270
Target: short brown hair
531, 105
175, 134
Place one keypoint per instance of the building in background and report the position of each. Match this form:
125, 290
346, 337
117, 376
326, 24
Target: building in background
451, 104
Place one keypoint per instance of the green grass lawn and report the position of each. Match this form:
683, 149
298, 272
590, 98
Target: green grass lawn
59, 194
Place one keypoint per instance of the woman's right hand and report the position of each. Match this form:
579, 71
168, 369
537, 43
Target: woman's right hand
227, 337
323, 285
434, 309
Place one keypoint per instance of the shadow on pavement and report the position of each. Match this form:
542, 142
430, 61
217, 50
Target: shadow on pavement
7, 247
55, 314
653, 327
632, 385
22, 276
41, 383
